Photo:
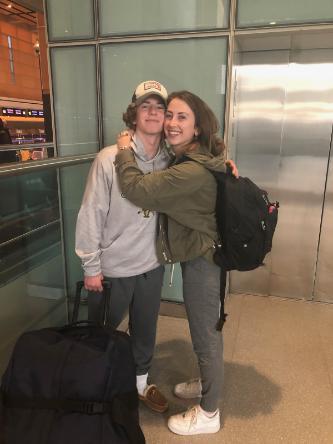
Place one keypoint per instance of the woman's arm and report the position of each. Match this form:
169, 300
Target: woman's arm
158, 190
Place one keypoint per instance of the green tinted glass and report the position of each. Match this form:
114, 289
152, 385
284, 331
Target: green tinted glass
32, 290
72, 182
174, 63
75, 99
143, 16
70, 19
282, 12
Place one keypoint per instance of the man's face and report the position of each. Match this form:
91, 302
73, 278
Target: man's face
150, 116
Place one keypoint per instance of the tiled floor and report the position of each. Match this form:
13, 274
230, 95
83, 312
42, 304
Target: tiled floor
278, 373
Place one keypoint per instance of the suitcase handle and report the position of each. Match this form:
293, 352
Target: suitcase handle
79, 324
106, 307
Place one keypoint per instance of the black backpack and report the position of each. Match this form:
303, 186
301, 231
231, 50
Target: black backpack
246, 221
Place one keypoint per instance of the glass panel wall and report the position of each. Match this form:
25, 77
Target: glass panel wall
35, 225
156, 60
31, 274
70, 19
283, 12
72, 184
75, 99
151, 16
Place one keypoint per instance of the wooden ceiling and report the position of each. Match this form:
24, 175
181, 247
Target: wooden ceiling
17, 13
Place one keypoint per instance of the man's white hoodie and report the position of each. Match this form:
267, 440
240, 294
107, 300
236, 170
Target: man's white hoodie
113, 236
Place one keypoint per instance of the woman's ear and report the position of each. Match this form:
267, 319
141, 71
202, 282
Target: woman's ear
196, 132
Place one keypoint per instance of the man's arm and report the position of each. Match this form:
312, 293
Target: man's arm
91, 221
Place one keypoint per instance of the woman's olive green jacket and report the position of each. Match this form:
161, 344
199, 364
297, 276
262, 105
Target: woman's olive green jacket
184, 194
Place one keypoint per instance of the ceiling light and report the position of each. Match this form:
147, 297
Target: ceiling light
37, 47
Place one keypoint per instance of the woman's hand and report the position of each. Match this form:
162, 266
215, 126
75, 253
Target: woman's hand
124, 139
232, 166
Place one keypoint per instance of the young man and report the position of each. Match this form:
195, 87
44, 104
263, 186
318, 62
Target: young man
116, 240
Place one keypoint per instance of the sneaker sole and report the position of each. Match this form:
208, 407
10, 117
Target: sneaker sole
196, 432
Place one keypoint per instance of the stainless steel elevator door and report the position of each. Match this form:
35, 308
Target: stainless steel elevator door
282, 129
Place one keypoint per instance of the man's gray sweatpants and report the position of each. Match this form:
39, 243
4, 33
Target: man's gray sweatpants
201, 292
140, 296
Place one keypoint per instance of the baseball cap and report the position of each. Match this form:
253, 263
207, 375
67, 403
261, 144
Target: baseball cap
149, 88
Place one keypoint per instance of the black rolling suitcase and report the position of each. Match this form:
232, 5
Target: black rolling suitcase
72, 384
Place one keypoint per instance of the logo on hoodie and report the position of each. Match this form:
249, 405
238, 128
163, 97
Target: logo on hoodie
145, 212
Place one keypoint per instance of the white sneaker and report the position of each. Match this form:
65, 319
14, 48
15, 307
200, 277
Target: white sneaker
189, 389
194, 422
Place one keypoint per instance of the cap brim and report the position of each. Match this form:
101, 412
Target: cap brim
150, 94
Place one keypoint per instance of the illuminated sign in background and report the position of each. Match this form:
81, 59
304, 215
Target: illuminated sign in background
19, 112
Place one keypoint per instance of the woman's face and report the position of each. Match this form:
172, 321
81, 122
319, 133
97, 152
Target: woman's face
179, 125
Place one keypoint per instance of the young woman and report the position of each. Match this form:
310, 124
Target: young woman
185, 196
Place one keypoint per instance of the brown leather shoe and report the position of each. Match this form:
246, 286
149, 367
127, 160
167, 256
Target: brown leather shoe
154, 399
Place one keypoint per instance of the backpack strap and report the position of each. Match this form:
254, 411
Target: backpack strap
223, 315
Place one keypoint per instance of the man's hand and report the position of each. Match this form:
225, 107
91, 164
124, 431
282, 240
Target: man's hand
234, 170
94, 283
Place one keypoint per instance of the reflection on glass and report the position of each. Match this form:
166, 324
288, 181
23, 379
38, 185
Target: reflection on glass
70, 19
72, 181
283, 12
143, 16
75, 99
156, 60
31, 261
27, 203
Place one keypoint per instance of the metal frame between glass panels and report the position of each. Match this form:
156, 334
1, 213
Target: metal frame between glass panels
38, 165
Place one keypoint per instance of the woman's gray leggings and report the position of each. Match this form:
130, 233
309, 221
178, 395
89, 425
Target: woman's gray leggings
201, 292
